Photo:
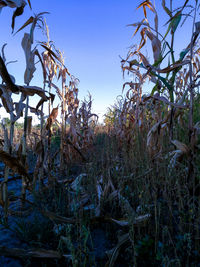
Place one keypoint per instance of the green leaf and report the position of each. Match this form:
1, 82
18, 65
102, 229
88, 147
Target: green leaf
174, 22
184, 53
155, 88
163, 80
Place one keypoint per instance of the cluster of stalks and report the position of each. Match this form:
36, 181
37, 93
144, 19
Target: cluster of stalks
74, 130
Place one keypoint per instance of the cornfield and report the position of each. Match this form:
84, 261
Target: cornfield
122, 193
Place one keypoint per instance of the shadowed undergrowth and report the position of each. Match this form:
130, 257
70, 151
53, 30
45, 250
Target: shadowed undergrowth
119, 205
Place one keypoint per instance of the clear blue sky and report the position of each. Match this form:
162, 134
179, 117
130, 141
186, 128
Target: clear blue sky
92, 34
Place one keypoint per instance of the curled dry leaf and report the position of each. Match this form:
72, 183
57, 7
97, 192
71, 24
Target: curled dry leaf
181, 146
176, 156
144, 5
13, 163
144, 60
42, 64
142, 219
19, 4
177, 64
137, 220
36, 111
18, 12
29, 55
32, 90
156, 44
6, 77
6, 99
52, 118
164, 100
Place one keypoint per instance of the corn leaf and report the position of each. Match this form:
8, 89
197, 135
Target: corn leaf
13, 163
29, 21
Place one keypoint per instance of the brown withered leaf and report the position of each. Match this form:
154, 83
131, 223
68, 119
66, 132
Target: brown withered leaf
144, 4
138, 221
29, 21
139, 24
35, 90
30, 56
32, 90
36, 111
52, 117
6, 77
52, 97
13, 163
143, 39
39, 104
176, 65
29, 2
18, 12
165, 100
154, 139
181, 146
156, 44
51, 53
144, 60
42, 64
6, 99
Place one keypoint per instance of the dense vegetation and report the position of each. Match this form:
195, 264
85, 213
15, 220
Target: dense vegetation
125, 193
